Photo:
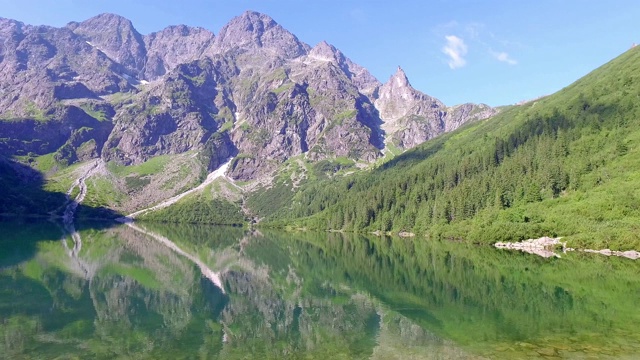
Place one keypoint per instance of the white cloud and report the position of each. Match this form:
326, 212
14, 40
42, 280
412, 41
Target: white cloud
504, 57
456, 49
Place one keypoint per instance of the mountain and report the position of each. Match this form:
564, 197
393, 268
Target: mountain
299, 123
257, 33
173, 46
564, 165
411, 117
115, 37
254, 92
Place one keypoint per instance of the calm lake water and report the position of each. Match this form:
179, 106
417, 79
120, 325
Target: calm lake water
139, 292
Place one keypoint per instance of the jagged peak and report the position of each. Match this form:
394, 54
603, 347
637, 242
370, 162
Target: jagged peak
103, 24
182, 30
257, 16
109, 18
325, 51
253, 30
399, 79
324, 45
10, 21
250, 21
10, 25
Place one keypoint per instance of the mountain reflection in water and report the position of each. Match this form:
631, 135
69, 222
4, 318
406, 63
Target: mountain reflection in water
302, 295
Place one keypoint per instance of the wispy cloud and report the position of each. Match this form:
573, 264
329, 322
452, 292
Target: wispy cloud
504, 57
474, 30
479, 41
455, 49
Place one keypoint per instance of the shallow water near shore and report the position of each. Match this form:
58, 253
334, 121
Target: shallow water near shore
127, 293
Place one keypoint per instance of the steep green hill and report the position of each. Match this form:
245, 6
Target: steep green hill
565, 165
215, 204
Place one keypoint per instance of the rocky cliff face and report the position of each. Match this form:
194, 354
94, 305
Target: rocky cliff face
172, 116
116, 37
254, 91
173, 46
254, 32
411, 117
42, 66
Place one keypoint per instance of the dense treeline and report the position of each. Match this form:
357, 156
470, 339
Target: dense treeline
199, 210
561, 165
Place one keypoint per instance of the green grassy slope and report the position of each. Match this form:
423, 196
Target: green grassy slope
565, 165
208, 206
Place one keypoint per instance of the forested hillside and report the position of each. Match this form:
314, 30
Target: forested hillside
565, 165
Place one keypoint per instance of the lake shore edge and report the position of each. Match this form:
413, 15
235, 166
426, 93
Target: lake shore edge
545, 247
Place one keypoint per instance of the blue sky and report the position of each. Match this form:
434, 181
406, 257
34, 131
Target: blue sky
495, 52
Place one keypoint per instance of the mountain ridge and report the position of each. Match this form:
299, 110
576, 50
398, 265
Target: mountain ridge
254, 92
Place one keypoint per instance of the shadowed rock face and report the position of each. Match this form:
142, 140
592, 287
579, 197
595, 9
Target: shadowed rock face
254, 90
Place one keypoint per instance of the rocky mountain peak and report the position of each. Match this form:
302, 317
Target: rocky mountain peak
327, 52
115, 36
174, 45
10, 31
182, 30
411, 117
103, 22
10, 24
253, 30
253, 19
361, 78
399, 79
398, 88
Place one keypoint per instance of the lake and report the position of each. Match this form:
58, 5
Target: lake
161, 291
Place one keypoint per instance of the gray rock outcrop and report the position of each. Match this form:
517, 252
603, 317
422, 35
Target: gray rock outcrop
411, 117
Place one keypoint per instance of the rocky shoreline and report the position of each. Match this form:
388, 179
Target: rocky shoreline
630, 254
546, 246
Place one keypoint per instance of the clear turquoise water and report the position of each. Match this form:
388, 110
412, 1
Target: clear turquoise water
125, 294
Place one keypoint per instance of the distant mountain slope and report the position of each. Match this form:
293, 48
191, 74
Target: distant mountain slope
99, 88
565, 165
